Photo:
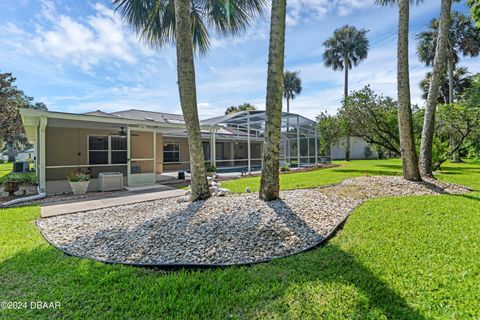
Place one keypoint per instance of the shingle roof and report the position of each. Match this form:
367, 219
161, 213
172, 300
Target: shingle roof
135, 114
99, 113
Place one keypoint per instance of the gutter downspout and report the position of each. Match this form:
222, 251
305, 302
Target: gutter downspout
38, 196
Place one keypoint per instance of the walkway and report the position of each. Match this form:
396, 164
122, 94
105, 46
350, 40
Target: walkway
120, 199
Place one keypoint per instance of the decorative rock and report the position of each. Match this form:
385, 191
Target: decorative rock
231, 229
185, 198
222, 192
247, 190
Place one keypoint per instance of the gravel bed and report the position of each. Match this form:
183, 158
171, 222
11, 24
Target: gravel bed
235, 229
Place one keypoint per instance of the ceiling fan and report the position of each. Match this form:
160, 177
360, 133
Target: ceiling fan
123, 133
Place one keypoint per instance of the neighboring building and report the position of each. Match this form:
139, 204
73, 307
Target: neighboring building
359, 149
144, 144
26, 155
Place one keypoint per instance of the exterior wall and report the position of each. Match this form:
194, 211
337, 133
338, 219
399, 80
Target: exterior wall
69, 147
357, 150
25, 156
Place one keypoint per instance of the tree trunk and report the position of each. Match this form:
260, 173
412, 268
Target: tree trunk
451, 68
455, 147
270, 182
432, 98
12, 152
345, 96
407, 144
188, 98
288, 128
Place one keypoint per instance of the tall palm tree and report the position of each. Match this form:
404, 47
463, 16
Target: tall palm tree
243, 107
270, 180
347, 47
463, 39
426, 146
405, 123
292, 86
186, 23
462, 80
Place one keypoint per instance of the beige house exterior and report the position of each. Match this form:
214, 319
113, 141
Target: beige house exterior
141, 145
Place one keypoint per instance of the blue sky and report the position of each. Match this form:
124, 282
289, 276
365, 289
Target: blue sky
77, 56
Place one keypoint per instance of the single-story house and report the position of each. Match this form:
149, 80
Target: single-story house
142, 145
26, 155
359, 149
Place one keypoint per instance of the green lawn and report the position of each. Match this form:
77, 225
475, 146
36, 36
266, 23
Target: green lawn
409, 258
5, 168
319, 177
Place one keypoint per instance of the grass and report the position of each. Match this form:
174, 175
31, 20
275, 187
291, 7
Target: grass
408, 258
319, 177
5, 168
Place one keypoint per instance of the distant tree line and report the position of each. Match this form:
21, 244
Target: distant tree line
12, 99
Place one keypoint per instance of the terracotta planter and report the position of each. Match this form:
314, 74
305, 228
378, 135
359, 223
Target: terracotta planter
11, 188
79, 187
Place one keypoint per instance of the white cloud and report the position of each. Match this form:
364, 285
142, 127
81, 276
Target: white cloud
304, 10
84, 43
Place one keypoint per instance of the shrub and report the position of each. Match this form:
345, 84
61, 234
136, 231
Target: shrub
210, 167
25, 179
284, 168
78, 177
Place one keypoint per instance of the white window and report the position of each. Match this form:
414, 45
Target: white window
107, 150
171, 151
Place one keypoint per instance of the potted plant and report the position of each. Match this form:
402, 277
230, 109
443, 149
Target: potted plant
79, 182
11, 182
211, 169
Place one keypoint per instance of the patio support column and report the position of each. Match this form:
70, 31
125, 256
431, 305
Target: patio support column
42, 161
316, 146
155, 155
212, 147
248, 141
298, 140
232, 154
308, 149
129, 157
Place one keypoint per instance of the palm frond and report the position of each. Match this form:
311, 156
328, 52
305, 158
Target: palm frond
154, 20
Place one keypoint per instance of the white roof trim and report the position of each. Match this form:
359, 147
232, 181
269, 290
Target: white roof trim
102, 119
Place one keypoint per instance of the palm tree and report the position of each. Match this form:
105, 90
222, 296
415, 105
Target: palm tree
185, 23
463, 39
462, 80
292, 86
243, 107
345, 49
426, 146
405, 123
270, 182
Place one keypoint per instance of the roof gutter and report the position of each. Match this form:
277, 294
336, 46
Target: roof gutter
102, 119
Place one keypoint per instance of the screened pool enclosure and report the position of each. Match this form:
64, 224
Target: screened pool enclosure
298, 146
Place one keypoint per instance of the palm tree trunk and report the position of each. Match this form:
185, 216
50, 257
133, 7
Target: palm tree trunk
432, 98
451, 68
288, 128
11, 150
345, 96
270, 182
188, 98
405, 124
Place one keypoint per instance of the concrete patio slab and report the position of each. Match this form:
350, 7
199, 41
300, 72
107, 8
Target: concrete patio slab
124, 198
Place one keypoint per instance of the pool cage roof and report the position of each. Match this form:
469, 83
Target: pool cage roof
255, 120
